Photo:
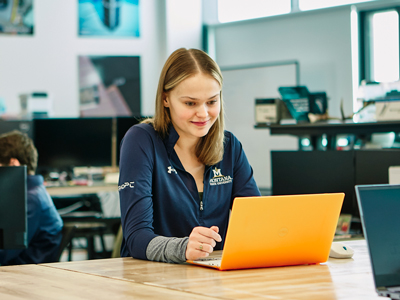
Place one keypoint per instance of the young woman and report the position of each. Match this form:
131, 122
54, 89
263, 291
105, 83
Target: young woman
180, 171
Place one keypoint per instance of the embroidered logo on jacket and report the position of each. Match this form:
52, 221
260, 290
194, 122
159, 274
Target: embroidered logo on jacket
125, 185
171, 169
219, 178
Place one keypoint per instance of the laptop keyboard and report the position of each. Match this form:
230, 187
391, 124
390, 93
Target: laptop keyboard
208, 258
394, 289
209, 261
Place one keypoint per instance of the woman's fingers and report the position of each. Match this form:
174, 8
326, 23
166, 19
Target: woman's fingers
205, 247
209, 233
202, 241
215, 228
196, 250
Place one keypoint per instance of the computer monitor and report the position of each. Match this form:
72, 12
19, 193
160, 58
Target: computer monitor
309, 172
123, 124
24, 126
70, 142
13, 208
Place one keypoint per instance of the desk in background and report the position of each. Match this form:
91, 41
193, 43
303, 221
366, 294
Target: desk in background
126, 278
79, 189
306, 172
92, 223
303, 172
331, 130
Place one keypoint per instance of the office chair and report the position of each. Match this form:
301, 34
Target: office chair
85, 213
68, 232
89, 230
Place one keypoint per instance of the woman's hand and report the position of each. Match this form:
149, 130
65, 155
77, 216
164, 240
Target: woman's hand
202, 241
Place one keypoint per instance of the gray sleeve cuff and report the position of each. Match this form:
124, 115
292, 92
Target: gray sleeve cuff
167, 249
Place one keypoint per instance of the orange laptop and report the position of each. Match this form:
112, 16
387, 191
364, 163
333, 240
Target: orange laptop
278, 231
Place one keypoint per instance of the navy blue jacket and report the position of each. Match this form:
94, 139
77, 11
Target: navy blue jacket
158, 197
44, 228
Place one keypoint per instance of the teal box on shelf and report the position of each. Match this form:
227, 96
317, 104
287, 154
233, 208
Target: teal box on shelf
300, 102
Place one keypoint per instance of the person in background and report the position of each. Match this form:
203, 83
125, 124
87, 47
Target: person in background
180, 170
44, 222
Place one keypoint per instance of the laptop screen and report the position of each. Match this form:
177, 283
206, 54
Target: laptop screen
379, 208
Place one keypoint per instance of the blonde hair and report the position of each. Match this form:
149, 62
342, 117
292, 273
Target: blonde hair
180, 65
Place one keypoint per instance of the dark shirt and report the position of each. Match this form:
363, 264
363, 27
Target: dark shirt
158, 197
44, 228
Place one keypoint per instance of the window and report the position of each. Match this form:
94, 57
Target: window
385, 46
315, 4
236, 10
380, 46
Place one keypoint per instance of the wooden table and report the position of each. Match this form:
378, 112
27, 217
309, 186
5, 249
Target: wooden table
122, 278
48, 283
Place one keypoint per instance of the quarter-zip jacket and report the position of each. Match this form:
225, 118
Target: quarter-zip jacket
158, 197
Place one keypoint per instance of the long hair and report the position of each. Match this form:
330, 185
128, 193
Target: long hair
181, 64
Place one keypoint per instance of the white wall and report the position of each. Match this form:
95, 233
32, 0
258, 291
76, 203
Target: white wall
47, 61
319, 40
241, 88
184, 24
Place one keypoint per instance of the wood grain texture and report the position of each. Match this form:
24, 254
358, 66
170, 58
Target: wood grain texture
335, 279
46, 283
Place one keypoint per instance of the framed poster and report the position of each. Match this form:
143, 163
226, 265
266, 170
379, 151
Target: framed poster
109, 18
16, 17
109, 86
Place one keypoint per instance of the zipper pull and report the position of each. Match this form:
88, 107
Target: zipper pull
201, 205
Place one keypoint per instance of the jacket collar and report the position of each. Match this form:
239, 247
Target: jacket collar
34, 181
169, 142
171, 139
